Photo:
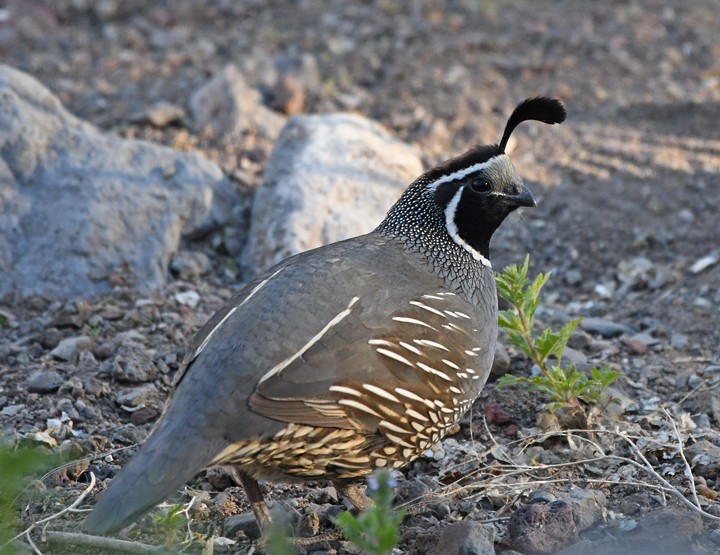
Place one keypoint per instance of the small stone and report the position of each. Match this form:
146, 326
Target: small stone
222, 544
143, 416
573, 277
134, 366
138, 396
679, 340
496, 414
573, 356
605, 328
12, 410
230, 108
542, 527
45, 381
587, 505
629, 507
288, 96
324, 495
634, 271
501, 362
69, 347
163, 114
244, 523
605, 290
705, 459
190, 265
411, 489
188, 298
50, 338
579, 340
467, 538
219, 478
636, 347
705, 262
87, 361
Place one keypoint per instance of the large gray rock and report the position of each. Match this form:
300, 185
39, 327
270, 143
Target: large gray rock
76, 203
330, 177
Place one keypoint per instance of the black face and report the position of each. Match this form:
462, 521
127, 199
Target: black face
476, 200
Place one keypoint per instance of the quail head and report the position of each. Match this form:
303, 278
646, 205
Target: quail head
352, 357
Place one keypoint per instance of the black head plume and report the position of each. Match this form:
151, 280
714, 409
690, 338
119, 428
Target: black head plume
540, 108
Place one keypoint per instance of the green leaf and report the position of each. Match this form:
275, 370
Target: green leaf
564, 337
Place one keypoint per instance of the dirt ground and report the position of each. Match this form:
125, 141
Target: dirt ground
627, 188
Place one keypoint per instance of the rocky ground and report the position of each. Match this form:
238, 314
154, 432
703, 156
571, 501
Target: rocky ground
627, 191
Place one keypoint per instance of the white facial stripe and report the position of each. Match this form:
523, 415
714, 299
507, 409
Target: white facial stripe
453, 230
462, 173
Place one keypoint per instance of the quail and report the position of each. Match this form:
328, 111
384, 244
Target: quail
352, 357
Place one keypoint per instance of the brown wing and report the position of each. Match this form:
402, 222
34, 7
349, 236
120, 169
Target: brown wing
422, 363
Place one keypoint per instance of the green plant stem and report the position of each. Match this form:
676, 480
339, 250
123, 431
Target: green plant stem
531, 343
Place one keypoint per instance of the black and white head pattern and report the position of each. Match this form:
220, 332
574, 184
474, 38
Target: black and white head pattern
476, 198
470, 195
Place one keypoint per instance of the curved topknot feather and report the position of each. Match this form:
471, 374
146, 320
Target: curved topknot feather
540, 108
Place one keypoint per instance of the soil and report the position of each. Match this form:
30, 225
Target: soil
627, 191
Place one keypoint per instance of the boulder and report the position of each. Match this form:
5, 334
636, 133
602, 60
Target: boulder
76, 204
329, 177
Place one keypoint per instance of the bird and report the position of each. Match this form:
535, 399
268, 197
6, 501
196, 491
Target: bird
339, 361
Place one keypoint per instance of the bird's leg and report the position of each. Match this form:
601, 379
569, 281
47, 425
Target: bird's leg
358, 499
255, 496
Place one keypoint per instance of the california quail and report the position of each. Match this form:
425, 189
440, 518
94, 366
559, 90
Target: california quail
351, 357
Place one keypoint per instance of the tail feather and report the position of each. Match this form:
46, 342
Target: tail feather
169, 459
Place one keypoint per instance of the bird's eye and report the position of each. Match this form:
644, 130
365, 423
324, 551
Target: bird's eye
480, 185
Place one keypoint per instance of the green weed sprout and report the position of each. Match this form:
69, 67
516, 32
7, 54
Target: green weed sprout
17, 467
377, 530
564, 385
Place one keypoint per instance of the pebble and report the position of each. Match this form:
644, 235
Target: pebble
705, 262
705, 459
496, 414
188, 298
143, 416
137, 396
134, 366
467, 538
12, 410
162, 114
632, 272
629, 507
501, 362
605, 328
587, 505
579, 340
679, 340
45, 381
190, 265
69, 347
635, 346
244, 522
288, 96
542, 527
324, 495
573, 277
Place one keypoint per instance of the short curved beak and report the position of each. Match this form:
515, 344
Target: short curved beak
523, 197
